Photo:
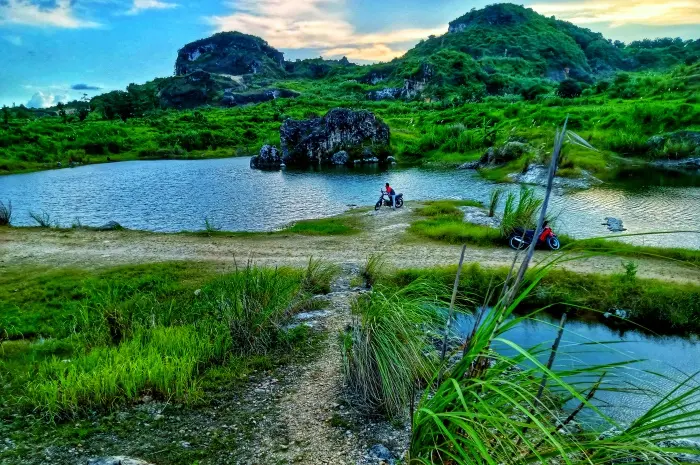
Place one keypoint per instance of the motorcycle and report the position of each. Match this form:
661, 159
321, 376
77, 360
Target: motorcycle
521, 238
385, 200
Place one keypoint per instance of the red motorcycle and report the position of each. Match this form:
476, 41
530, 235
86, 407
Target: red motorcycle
521, 238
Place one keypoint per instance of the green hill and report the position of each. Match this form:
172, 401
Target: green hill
498, 75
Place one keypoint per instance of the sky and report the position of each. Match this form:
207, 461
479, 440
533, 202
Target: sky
60, 50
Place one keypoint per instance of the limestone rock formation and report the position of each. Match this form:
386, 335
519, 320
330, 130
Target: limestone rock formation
314, 141
231, 53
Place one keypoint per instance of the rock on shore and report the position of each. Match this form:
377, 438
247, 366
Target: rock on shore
315, 141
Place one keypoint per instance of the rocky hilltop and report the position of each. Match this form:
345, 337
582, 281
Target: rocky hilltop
500, 49
231, 53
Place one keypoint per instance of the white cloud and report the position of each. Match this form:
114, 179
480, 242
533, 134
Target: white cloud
622, 12
41, 100
140, 5
30, 14
315, 24
14, 40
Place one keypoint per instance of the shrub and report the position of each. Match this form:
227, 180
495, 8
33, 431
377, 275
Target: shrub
43, 219
569, 88
5, 213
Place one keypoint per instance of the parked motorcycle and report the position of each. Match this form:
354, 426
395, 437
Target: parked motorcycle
521, 238
385, 200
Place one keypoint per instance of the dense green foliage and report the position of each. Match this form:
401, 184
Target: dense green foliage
102, 339
383, 349
612, 118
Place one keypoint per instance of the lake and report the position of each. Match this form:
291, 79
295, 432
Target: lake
177, 195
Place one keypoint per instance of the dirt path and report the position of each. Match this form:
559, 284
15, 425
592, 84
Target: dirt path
307, 408
384, 233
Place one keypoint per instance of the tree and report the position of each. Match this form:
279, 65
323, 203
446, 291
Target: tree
5, 115
569, 88
62, 111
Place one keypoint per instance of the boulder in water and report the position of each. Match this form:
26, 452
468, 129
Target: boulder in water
316, 140
269, 158
614, 224
340, 158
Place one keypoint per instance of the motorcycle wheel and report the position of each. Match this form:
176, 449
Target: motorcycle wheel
399, 203
377, 206
516, 242
553, 243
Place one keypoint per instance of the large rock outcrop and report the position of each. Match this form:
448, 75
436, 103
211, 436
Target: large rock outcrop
315, 141
230, 53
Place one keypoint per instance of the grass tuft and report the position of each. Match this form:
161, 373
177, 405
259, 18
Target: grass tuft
43, 219
373, 270
495, 199
318, 276
5, 213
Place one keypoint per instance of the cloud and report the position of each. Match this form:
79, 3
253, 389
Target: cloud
14, 40
59, 14
621, 12
376, 52
84, 87
41, 100
140, 5
319, 24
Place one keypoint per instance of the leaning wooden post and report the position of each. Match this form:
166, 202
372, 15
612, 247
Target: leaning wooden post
448, 324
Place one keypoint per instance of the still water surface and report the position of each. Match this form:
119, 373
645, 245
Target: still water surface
674, 357
176, 195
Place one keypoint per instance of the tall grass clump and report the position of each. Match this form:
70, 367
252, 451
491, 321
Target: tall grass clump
43, 219
254, 303
373, 269
494, 201
384, 348
520, 211
5, 213
318, 276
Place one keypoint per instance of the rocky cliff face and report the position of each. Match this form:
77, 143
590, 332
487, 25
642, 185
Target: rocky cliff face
230, 53
315, 141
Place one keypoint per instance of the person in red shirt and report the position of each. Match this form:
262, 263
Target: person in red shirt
392, 194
